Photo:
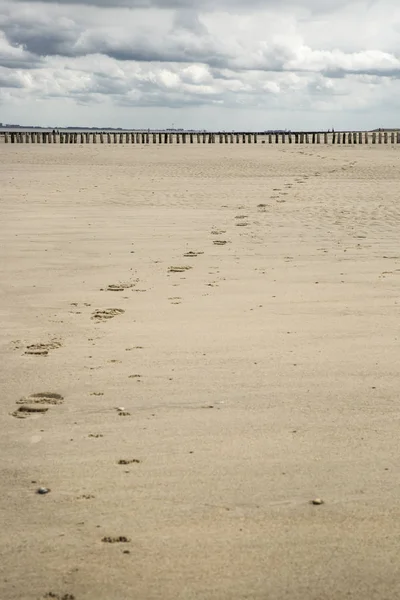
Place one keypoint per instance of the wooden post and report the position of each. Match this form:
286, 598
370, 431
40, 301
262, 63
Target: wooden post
171, 138
392, 138
75, 138
290, 138
210, 138
165, 138
61, 138
385, 137
87, 138
249, 138
360, 137
154, 138
6, 138
81, 138
354, 138
95, 138
325, 138
54, 138
318, 138
220, 138
374, 137
27, 137
147, 138
313, 138
296, 138
283, 138
226, 138
160, 138
276, 138
243, 138
101, 138
307, 140
231, 138
380, 137
366, 140
177, 139
12, 136
121, 138
108, 138
44, 138
398, 137
237, 138
191, 138
49, 139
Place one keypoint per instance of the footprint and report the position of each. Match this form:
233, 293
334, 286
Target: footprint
119, 287
24, 411
42, 349
217, 231
192, 254
106, 313
55, 596
42, 398
122, 412
129, 461
179, 269
241, 224
219, 242
121, 539
29, 404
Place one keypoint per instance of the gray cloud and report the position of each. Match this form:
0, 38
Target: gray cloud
318, 6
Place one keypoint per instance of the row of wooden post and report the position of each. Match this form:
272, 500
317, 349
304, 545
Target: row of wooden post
357, 137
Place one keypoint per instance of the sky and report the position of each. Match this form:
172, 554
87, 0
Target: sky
202, 64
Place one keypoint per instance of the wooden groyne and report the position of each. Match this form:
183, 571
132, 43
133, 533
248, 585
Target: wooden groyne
162, 138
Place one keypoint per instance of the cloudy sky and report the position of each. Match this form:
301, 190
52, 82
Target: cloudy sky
213, 64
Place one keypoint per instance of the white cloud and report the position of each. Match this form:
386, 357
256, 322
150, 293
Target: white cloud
245, 63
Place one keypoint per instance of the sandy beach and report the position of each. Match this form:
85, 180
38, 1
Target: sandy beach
196, 343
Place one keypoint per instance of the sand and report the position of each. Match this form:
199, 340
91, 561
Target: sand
262, 376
